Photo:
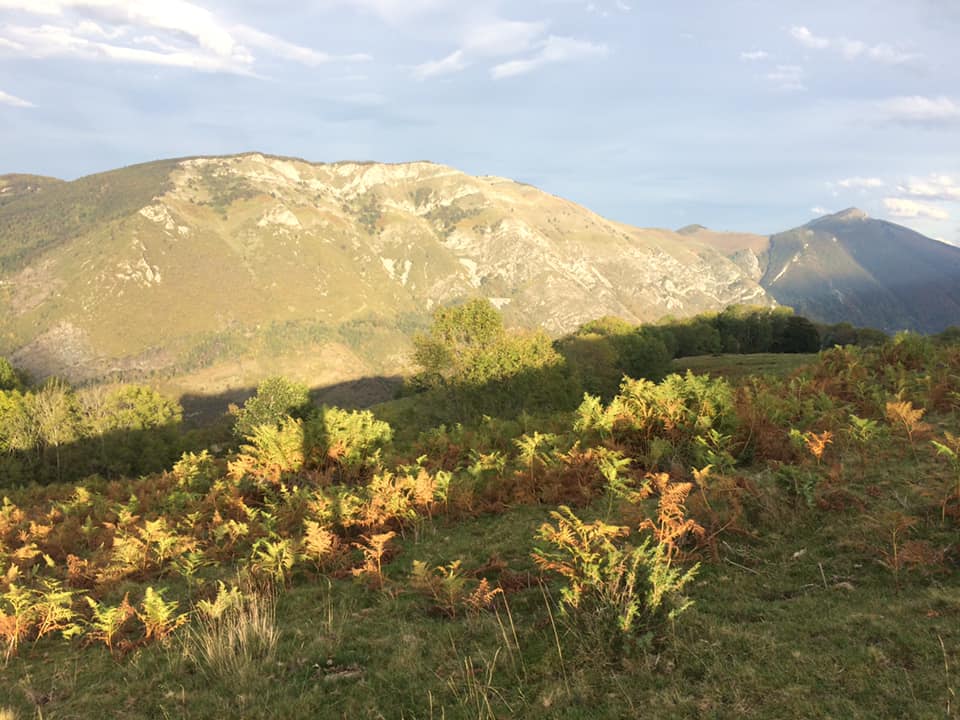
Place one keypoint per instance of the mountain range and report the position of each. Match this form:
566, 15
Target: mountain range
218, 270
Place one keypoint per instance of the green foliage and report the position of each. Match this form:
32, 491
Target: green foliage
799, 336
601, 352
276, 398
450, 588
55, 433
683, 414
9, 379
159, 616
486, 369
800, 481
612, 464
108, 621
272, 451
592, 417
195, 471
274, 559
353, 439
614, 591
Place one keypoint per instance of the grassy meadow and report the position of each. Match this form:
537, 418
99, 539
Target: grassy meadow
768, 536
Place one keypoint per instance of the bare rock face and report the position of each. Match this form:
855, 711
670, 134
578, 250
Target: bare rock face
239, 246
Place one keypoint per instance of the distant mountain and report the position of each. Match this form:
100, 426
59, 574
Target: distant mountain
848, 267
221, 270
16, 186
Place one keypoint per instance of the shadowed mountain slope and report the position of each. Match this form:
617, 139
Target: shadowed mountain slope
848, 267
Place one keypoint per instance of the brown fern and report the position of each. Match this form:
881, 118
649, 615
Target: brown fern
672, 526
374, 549
903, 414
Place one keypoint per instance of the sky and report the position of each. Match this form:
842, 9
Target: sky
735, 114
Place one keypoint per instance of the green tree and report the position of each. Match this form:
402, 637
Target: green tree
462, 344
55, 415
483, 368
275, 399
799, 336
127, 430
9, 380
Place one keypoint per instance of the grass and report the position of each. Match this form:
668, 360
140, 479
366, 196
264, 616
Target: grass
784, 626
735, 367
800, 611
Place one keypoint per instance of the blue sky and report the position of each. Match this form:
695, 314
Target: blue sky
736, 114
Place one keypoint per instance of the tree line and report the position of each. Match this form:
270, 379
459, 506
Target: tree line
469, 365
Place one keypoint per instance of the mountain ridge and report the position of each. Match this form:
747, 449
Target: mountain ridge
123, 271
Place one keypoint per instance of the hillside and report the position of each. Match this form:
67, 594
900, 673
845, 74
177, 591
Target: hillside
780, 545
848, 267
14, 186
221, 270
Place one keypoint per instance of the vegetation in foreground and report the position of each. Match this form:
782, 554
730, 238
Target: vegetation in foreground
775, 546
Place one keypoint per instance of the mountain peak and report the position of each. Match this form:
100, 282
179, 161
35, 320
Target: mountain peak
850, 213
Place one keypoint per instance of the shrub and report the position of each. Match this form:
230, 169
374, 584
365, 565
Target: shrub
9, 380
195, 471
272, 452
276, 399
350, 439
614, 592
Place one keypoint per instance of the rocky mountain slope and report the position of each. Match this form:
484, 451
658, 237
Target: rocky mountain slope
848, 267
222, 269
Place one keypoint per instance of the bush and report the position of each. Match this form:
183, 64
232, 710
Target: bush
616, 594
276, 398
351, 439
9, 380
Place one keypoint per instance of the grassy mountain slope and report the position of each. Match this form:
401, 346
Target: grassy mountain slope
182, 266
15, 185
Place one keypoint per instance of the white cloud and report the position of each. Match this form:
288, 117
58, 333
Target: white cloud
903, 208
14, 101
178, 33
920, 109
806, 38
850, 49
290, 51
454, 62
555, 49
936, 187
754, 55
819, 210
490, 39
863, 183
502, 37
618, 5
788, 78
393, 11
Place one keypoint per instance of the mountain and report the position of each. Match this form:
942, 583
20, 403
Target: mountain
218, 270
848, 267
16, 186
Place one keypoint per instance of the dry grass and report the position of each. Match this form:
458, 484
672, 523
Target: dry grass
237, 642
